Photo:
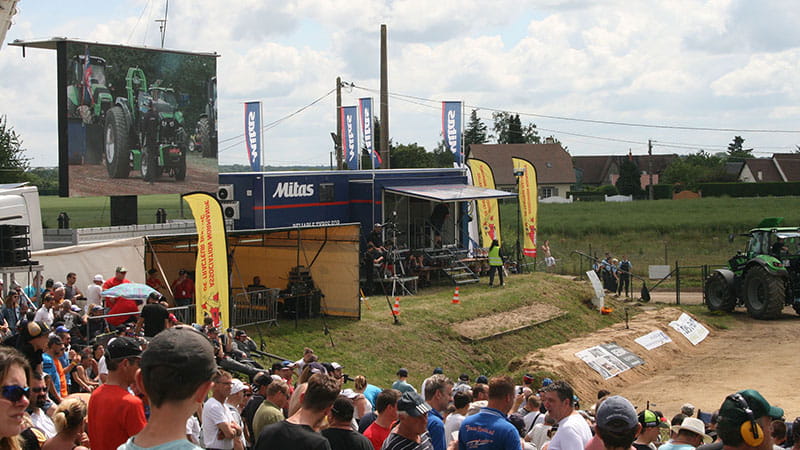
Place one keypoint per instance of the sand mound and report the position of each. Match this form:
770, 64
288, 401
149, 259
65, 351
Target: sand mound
507, 321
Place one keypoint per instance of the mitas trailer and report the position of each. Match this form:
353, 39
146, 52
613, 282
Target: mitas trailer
420, 208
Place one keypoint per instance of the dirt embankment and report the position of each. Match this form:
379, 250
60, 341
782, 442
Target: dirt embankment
755, 354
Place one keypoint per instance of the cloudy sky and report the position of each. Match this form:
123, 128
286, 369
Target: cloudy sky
718, 64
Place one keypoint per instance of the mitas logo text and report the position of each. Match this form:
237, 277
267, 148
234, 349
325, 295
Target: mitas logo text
291, 189
351, 137
252, 134
452, 133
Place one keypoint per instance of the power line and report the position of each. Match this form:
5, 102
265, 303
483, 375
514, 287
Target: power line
138, 20
602, 122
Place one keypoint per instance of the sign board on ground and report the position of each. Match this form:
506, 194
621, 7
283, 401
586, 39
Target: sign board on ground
693, 330
599, 295
609, 360
654, 339
656, 272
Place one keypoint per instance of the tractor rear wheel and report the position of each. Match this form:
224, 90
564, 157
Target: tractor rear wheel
764, 294
150, 169
719, 296
118, 159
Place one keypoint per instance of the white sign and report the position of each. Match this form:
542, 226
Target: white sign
609, 360
693, 330
653, 339
658, 272
599, 294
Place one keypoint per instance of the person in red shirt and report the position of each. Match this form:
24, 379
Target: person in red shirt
153, 281
386, 405
114, 413
183, 289
117, 279
121, 305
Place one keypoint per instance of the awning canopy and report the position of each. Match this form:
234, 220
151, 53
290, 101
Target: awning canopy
449, 192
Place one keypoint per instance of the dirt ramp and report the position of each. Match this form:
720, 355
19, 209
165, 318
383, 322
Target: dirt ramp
561, 358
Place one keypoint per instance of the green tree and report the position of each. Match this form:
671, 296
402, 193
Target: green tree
476, 130
736, 151
406, 156
441, 156
508, 129
13, 162
501, 120
629, 182
691, 170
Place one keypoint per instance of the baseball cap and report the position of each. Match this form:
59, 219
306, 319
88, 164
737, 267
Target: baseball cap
240, 333
262, 379
287, 365
547, 382
733, 413
121, 269
378, 225
57, 285
527, 378
438, 370
616, 414
482, 379
99, 278
236, 386
650, 419
463, 377
123, 347
336, 366
316, 367
181, 350
412, 404
402, 372
62, 329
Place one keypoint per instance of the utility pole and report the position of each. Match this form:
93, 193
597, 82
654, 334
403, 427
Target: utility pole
384, 102
337, 148
650, 165
163, 22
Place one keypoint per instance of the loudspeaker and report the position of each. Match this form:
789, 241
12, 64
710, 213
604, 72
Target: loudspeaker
225, 192
14, 245
751, 431
230, 210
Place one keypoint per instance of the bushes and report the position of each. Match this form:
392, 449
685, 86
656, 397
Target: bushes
750, 189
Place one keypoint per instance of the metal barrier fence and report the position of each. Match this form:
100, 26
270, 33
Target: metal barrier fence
184, 314
255, 307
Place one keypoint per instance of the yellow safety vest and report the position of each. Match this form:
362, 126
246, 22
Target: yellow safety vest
494, 257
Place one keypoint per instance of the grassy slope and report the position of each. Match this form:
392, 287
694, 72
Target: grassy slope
376, 348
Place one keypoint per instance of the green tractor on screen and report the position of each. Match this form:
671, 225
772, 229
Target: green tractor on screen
764, 278
144, 131
88, 99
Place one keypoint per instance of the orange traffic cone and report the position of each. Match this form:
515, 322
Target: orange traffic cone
456, 301
396, 307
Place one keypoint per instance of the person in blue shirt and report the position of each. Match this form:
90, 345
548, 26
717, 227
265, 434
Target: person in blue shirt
438, 392
490, 428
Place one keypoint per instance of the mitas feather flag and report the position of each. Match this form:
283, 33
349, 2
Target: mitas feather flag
451, 130
365, 112
252, 133
528, 193
488, 211
211, 267
350, 136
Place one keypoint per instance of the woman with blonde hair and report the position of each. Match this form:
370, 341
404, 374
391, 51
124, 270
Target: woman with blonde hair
14, 373
70, 422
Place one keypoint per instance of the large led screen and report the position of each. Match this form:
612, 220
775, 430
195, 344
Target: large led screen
138, 121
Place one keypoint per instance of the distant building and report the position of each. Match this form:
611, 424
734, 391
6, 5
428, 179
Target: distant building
554, 170
782, 167
594, 171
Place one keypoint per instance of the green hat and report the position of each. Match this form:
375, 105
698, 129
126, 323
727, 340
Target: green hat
650, 419
732, 412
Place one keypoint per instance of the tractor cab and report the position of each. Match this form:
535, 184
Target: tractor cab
96, 72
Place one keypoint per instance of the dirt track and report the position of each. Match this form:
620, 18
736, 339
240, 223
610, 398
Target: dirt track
754, 354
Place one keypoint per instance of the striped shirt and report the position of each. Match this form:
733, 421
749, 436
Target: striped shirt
397, 442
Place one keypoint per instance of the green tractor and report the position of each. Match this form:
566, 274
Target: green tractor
88, 99
207, 123
144, 131
764, 278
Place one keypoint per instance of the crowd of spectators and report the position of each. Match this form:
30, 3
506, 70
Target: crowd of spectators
156, 383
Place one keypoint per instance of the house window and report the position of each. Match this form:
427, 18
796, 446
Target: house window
546, 191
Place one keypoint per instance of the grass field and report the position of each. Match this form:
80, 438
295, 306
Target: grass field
85, 212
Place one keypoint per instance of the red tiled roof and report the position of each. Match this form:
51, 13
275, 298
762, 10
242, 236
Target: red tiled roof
766, 166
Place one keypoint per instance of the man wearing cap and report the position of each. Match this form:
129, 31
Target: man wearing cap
744, 421
117, 279
183, 289
271, 409
337, 372
32, 342
376, 238
176, 371
411, 432
340, 433
616, 423
651, 430
114, 413
401, 384
93, 293
689, 435
490, 428
298, 431
438, 392
573, 431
